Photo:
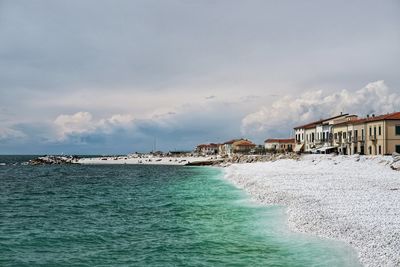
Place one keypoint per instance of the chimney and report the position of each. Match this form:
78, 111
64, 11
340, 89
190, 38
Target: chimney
367, 115
373, 115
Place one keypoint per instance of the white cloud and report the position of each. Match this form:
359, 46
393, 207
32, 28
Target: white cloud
82, 123
78, 123
292, 110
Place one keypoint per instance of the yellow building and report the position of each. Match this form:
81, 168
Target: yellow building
383, 134
342, 131
348, 135
374, 135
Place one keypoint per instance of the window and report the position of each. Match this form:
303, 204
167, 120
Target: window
344, 135
370, 131
375, 131
397, 129
380, 130
370, 149
335, 135
398, 148
380, 150
362, 134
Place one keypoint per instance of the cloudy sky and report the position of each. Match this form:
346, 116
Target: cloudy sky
108, 76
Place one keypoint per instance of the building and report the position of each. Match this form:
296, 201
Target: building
383, 134
303, 136
373, 135
207, 149
347, 135
243, 146
281, 145
226, 149
316, 135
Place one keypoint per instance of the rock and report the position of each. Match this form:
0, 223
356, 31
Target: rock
48, 160
396, 157
395, 165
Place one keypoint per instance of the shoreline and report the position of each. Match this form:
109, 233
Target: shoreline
211, 160
146, 160
347, 198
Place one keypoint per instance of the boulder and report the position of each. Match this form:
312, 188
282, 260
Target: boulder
396, 157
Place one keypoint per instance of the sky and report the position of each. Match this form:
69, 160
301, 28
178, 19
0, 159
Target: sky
114, 77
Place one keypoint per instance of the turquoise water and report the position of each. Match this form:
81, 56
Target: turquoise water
145, 216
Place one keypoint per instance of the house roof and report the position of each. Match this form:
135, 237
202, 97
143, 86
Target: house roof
389, 116
231, 141
314, 123
244, 143
290, 140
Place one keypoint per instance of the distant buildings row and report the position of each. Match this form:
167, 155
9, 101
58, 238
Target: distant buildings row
343, 134
228, 148
348, 134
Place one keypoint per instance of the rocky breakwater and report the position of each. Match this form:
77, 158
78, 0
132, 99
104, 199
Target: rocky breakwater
50, 160
257, 158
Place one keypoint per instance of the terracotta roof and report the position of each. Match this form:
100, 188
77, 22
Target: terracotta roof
244, 143
309, 125
232, 141
291, 140
314, 123
390, 116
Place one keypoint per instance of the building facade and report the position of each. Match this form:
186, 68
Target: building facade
243, 146
207, 149
280, 145
348, 135
316, 135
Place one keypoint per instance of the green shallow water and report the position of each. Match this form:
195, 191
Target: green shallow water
145, 216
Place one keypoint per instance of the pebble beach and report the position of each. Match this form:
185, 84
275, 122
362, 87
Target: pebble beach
354, 199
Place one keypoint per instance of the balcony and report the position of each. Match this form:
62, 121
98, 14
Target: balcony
372, 137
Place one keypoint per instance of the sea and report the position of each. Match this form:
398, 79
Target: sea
138, 215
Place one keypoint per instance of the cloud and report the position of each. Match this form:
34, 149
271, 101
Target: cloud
83, 124
291, 110
7, 134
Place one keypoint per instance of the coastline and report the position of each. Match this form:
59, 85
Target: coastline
146, 160
347, 198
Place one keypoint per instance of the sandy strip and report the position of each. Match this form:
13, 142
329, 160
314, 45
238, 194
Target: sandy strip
149, 160
353, 199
